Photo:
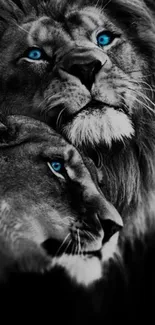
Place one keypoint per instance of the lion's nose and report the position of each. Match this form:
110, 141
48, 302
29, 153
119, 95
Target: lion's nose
86, 72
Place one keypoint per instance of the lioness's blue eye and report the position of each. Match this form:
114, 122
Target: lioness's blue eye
57, 166
34, 54
105, 38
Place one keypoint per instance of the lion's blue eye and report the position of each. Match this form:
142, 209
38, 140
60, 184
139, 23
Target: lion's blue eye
105, 38
34, 54
57, 166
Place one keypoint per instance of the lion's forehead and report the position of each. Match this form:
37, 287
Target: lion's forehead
45, 30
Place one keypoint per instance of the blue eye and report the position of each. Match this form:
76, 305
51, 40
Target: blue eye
105, 38
57, 166
35, 54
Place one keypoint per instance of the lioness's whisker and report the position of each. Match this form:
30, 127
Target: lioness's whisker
79, 241
73, 249
89, 234
62, 244
85, 224
68, 246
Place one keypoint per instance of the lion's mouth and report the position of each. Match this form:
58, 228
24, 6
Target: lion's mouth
65, 117
96, 104
90, 107
99, 105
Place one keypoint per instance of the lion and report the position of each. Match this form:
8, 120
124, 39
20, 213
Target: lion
59, 252
86, 68
52, 211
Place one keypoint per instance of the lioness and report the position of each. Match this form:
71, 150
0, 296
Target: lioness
51, 210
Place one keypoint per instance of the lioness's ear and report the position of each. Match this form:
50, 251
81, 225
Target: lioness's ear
3, 128
151, 5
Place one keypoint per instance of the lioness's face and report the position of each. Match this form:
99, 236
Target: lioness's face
49, 204
81, 72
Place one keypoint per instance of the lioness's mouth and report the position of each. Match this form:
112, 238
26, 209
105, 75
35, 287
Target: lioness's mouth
53, 247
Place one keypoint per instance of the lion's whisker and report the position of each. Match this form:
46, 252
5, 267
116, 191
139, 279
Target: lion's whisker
58, 121
144, 97
142, 104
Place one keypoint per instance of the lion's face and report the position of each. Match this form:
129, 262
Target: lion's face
83, 72
49, 203
87, 69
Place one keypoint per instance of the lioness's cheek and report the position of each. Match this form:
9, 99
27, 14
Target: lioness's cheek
81, 270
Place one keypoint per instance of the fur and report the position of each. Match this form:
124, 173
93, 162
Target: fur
117, 109
126, 294
54, 90
49, 218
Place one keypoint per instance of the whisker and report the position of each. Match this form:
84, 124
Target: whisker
92, 236
143, 96
140, 83
144, 88
79, 241
20, 27
65, 223
86, 224
143, 76
73, 249
89, 234
142, 104
76, 250
69, 218
64, 241
68, 246
58, 121
123, 103
106, 4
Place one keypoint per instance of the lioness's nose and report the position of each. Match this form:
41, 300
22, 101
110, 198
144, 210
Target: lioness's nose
86, 72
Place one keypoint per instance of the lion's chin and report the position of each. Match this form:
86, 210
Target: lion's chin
87, 269
98, 126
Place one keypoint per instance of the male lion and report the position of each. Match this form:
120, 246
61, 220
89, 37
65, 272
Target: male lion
87, 68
